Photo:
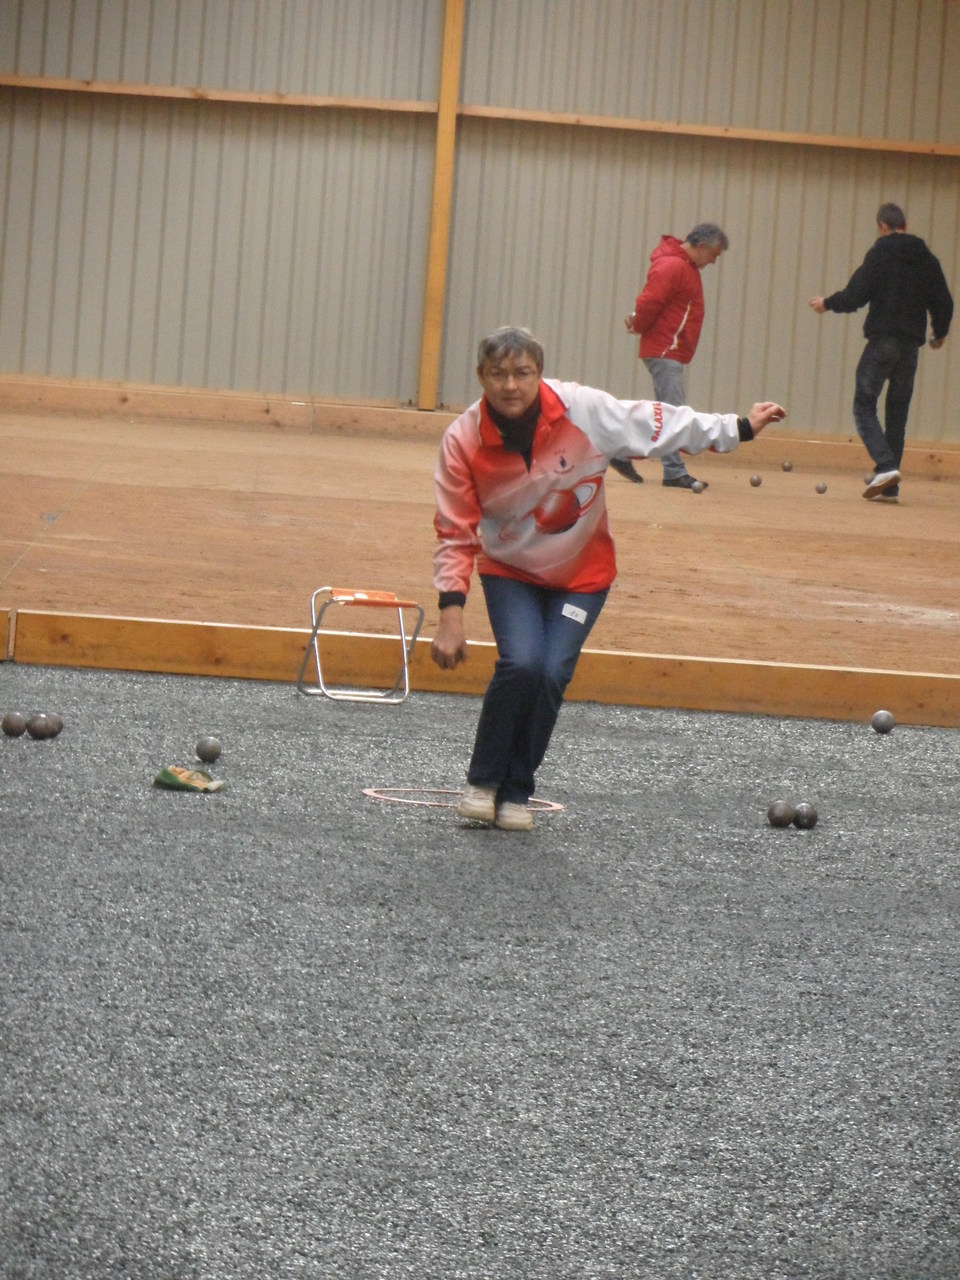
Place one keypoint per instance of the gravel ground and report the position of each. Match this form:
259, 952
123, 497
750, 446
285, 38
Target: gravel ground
289, 1029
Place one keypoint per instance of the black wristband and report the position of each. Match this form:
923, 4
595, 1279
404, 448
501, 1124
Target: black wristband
744, 429
448, 598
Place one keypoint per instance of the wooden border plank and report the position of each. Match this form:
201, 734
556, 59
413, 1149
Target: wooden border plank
22, 393
153, 644
728, 133
519, 115
194, 93
370, 661
766, 688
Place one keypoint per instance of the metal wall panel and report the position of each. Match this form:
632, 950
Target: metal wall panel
214, 245
554, 227
284, 250
348, 48
879, 68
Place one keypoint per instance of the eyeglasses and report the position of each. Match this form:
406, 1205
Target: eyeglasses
501, 376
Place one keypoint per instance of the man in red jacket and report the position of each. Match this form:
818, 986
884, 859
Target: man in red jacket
668, 316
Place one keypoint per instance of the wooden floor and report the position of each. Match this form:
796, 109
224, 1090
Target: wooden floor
227, 524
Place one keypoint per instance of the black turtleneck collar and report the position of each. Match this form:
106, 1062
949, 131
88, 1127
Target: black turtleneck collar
517, 433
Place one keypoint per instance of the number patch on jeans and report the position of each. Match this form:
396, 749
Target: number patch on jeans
572, 611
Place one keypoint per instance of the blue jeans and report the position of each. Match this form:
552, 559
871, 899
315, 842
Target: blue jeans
539, 634
892, 361
668, 388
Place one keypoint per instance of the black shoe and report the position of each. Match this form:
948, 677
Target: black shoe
685, 481
625, 468
889, 495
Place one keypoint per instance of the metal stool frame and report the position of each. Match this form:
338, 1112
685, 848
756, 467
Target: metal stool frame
346, 597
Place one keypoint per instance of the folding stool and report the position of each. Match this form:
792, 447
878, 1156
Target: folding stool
350, 598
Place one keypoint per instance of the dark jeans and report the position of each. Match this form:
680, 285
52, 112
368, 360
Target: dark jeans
892, 361
539, 634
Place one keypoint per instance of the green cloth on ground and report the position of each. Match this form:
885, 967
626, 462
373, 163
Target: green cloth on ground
175, 778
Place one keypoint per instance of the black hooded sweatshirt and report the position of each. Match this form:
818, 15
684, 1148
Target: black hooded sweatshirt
901, 280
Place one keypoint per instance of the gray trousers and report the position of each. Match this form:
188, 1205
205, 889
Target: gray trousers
667, 378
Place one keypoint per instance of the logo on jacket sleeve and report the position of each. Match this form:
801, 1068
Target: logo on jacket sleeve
658, 419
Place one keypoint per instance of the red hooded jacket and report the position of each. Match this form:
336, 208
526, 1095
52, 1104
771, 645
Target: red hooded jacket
669, 311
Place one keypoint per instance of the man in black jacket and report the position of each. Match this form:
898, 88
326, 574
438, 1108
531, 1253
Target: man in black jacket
902, 281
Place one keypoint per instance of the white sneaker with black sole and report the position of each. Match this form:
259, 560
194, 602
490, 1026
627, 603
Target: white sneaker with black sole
882, 481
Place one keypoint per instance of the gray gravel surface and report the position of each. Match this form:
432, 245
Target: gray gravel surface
291, 1030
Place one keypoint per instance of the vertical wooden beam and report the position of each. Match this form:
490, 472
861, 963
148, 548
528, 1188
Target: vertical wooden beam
435, 289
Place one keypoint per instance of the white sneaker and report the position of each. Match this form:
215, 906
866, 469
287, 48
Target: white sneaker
881, 481
514, 817
478, 804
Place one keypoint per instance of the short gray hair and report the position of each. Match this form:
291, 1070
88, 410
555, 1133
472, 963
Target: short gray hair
510, 340
708, 233
892, 216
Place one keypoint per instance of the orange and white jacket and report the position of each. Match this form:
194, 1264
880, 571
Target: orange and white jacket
548, 525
